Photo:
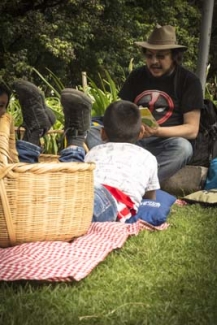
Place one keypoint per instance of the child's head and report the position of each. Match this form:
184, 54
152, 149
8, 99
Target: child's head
122, 122
4, 98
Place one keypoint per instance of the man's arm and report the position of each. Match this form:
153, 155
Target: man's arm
188, 130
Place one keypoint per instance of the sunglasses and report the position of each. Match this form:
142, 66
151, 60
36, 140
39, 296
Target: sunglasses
158, 56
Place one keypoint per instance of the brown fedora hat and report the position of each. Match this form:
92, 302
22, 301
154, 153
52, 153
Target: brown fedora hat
162, 38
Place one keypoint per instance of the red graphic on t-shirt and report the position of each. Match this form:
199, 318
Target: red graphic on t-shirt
159, 103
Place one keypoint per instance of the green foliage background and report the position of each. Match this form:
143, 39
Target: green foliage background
68, 36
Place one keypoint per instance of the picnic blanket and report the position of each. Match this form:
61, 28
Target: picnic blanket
63, 261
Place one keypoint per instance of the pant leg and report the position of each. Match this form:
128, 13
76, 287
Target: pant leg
94, 136
172, 154
72, 154
27, 152
105, 208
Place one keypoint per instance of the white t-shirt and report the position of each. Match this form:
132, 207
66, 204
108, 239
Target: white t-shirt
127, 167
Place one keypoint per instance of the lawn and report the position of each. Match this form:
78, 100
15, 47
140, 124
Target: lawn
158, 278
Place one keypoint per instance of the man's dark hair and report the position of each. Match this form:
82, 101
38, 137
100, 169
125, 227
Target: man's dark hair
5, 90
122, 122
177, 55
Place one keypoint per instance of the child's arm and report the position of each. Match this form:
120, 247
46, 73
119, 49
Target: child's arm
151, 195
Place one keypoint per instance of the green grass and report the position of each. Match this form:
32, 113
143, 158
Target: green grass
157, 278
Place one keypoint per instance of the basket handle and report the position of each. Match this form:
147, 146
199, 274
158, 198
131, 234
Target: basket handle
8, 152
7, 213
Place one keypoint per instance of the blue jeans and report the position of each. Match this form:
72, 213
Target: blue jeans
93, 136
172, 153
105, 208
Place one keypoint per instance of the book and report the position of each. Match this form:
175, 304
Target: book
147, 117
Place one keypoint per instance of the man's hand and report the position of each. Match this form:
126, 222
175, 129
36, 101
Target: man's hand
149, 131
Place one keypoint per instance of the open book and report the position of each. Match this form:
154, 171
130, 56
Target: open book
147, 117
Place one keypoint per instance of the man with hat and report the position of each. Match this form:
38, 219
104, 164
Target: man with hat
174, 96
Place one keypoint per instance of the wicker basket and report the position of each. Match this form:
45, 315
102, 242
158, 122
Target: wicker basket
48, 158
43, 201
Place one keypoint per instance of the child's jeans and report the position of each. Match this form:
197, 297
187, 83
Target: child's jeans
105, 208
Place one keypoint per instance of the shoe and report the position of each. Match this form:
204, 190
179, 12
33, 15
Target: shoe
36, 115
77, 112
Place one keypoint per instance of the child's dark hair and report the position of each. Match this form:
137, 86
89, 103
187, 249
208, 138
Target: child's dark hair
122, 122
5, 90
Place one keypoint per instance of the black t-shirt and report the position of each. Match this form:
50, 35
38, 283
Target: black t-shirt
168, 97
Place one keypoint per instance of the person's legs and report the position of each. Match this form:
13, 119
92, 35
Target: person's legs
105, 208
28, 152
94, 136
172, 154
72, 153
37, 120
77, 113
37, 117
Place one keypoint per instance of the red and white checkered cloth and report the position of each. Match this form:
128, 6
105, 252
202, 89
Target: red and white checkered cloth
61, 261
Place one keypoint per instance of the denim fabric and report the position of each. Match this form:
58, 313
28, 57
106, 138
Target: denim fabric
172, 153
105, 208
94, 137
76, 154
27, 152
